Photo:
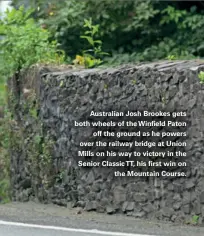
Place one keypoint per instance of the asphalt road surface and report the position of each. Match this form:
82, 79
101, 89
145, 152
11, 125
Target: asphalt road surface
21, 229
33, 219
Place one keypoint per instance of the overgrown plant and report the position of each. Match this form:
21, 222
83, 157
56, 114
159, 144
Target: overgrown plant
201, 77
195, 219
171, 57
25, 42
4, 159
91, 57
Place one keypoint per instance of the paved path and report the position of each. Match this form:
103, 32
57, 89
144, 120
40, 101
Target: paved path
33, 219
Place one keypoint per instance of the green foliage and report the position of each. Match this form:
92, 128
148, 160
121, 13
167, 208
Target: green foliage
33, 112
195, 219
130, 30
172, 14
38, 150
2, 93
60, 176
201, 77
91, 57
171, 57
134, 81
4, 191
25, 42
38, 139
5, 135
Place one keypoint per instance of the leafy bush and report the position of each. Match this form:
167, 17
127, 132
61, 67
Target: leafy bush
25, 42
139, 30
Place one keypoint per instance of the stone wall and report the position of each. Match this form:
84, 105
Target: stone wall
47, 101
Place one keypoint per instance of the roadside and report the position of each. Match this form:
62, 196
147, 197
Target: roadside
35, 213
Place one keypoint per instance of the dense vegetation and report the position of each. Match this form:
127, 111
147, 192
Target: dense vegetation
136, 30
24, 43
